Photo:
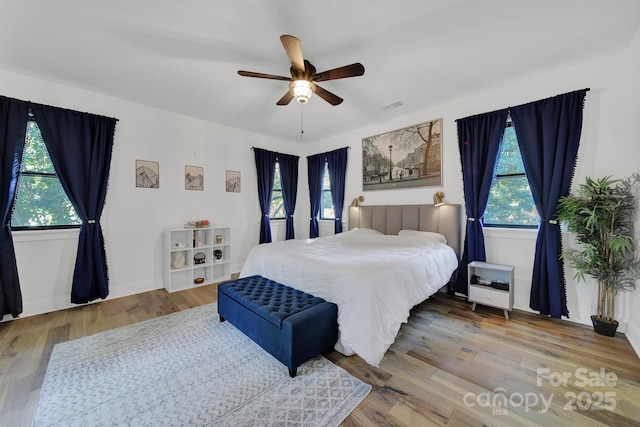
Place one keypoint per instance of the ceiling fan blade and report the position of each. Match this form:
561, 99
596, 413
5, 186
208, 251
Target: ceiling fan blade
286, 99
352, 70
262, 75
326, 95
294, 51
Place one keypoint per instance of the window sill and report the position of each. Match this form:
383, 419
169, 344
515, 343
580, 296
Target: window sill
511, 233
45, 235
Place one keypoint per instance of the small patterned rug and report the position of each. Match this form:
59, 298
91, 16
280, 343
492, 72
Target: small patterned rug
187, 368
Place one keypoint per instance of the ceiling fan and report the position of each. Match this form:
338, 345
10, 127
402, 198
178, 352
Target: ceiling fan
304, 77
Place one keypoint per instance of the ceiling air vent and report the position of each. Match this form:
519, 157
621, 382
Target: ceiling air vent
393, 105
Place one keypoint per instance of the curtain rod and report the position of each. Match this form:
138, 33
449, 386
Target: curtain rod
275, 152
74, 111
60, 108
507, 108
348, 146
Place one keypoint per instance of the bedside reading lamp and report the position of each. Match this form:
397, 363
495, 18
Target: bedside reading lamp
438, 199
356, 202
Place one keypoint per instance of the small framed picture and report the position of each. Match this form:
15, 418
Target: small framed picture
194, 178
147, 174
233, 182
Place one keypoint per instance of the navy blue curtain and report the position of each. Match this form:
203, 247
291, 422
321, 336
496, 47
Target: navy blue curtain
337, 167
266, 168
315, 166
479, 139
289, 179
13, 127
548, 133
80, 146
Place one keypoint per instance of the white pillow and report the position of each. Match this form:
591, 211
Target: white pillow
436, 237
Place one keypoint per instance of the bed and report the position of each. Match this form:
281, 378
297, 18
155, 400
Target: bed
392, 258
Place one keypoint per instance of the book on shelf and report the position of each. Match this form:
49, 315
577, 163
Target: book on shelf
199, 238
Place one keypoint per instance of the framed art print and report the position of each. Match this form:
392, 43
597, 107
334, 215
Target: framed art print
233, 182
403, 158
147, 174
194, 178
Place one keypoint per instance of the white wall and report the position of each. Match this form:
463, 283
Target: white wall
606, 145
633, 300
134, 219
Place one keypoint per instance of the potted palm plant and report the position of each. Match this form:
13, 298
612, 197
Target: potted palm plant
601, 214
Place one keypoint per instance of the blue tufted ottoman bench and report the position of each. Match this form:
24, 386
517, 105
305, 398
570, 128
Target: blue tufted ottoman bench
291, 325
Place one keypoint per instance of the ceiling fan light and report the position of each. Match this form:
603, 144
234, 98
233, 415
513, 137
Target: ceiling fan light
301, 90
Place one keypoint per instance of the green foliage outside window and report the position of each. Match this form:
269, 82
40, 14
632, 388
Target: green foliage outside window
510, 201
277, 202
326, 204
41, 201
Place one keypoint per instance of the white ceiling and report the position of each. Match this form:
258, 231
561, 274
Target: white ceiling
182, 56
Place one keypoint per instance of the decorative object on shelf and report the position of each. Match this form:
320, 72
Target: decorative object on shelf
438, 199
194, 178
218, 239
403, 158
233, 182
217, 253
177, 260
199, 258
601, 214
147, 174
198, 280
198, 224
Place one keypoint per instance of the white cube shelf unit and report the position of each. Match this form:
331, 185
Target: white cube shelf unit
491, 284
196, 256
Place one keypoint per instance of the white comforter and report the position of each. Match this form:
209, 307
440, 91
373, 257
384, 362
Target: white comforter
373, 278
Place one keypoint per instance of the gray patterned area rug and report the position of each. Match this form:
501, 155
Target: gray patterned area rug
187, 368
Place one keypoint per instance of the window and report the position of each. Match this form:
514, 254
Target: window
510, 201
277, 202
326, 204
41, 202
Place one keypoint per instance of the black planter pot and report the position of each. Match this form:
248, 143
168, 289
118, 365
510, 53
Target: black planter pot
604, 328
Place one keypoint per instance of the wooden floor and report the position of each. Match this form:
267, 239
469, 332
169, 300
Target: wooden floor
448, 366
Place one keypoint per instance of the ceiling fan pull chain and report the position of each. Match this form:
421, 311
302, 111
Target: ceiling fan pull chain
301, 121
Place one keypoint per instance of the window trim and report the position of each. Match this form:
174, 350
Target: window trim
509, 124
510, 226
321, 213
48, 175
273, 190
44, 227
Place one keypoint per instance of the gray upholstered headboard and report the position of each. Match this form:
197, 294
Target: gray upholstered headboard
389, 219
